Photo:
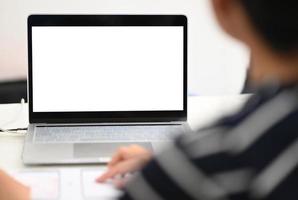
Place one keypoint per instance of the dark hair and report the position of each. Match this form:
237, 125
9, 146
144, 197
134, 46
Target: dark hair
276, 21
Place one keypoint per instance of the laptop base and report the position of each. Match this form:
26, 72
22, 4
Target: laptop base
91, 152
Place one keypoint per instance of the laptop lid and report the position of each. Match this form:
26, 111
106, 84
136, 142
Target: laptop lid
107, 68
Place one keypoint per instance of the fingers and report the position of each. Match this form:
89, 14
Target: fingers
120, 183
121, 169
115, 159
127, 159
120, 155
107, 175
128, 152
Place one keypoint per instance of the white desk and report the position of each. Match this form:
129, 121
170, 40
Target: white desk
201, 111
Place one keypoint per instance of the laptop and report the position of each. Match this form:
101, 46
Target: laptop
99, 82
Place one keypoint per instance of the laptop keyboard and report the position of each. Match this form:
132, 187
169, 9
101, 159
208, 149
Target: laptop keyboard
81, 134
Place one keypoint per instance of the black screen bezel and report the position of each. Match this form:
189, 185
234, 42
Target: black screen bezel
106, 20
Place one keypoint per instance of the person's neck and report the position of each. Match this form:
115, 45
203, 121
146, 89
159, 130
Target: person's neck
268, 65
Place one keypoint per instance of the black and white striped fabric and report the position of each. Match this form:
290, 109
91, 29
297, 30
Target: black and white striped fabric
248, 156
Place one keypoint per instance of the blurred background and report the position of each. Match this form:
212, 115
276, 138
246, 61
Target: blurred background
217, 63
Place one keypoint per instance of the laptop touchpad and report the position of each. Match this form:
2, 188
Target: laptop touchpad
92, 150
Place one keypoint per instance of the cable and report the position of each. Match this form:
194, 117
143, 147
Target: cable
17, 131
13, 129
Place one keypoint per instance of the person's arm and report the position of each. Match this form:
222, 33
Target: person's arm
10, 189
190, 168
171, 175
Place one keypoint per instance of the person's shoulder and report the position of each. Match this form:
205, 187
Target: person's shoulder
271, 93
267, 120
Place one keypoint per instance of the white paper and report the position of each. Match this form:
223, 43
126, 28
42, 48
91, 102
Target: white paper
43, 185
66, 184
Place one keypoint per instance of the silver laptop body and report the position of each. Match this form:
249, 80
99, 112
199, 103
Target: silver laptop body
99, 82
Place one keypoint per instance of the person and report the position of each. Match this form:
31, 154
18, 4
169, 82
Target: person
251, 155
247, 156
10, 189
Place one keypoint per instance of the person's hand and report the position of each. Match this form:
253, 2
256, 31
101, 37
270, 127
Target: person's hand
126, 160
10, 189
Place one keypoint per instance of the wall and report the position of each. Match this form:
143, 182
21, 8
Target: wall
217, 64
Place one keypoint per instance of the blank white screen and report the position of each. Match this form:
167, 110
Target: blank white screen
107, 68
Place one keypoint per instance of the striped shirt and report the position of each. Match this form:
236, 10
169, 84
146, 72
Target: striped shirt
248, 156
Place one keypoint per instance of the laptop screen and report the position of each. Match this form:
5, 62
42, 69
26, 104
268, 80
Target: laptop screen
107, 68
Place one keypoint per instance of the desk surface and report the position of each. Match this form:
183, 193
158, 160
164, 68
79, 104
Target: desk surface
201, 111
